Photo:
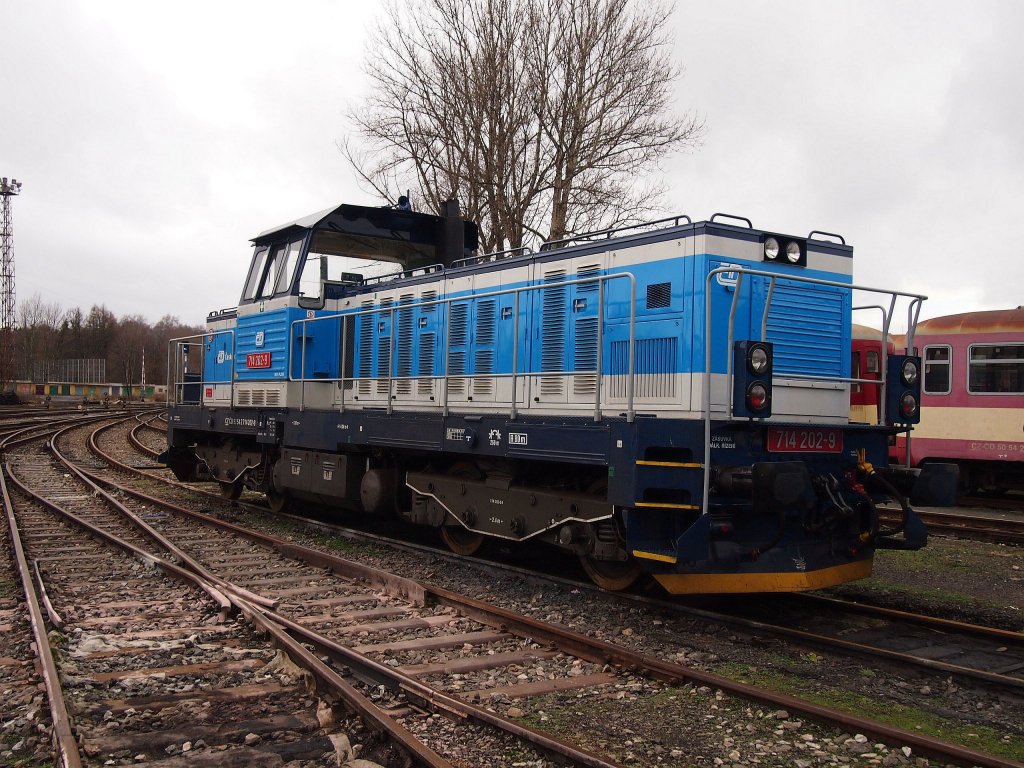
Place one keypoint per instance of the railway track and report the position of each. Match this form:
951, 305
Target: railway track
995, 529
322, 602
969, 651
441, 650
999, 530
231, 698
1001, 661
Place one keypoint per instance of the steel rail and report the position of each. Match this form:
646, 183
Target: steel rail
431, 697
917, 618
145, 556
993, 529
601, 651
395, 585
377, 719
230, 595
64, 740
176, 552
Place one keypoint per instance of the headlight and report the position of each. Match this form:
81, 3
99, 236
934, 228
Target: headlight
771, 249
909, 372
908, 405
758, 360
793, 252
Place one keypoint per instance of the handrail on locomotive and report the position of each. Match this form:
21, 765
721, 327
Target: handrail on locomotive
177, 345
913, 312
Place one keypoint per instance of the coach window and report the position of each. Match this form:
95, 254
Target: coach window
259, 261
996, 369
936, 370
873, 366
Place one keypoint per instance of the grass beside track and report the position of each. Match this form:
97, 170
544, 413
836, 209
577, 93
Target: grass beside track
975, 736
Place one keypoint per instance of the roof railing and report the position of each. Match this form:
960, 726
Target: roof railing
609, 233
418, 271
486, 258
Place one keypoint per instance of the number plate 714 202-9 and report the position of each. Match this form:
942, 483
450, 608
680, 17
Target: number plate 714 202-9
805, 440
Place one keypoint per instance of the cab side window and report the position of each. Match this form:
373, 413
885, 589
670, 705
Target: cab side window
259, 264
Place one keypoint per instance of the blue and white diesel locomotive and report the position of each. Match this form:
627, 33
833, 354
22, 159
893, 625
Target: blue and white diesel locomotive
670, 398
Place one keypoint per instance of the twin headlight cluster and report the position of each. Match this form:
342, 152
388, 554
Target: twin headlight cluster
785, 250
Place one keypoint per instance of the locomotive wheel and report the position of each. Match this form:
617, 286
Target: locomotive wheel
460, 540
279, 502
613, 575
230, 490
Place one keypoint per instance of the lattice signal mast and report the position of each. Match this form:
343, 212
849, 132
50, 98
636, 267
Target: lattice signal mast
8, 189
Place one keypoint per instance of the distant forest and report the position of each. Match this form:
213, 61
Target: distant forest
48, 336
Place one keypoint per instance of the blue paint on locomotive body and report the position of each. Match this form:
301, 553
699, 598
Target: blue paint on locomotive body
809, 325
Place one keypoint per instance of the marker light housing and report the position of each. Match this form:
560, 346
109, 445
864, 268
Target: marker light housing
752, 379
903, 389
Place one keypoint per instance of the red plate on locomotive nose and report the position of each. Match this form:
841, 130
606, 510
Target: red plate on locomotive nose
805, 440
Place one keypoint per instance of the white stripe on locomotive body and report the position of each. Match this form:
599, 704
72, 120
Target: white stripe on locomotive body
668, 339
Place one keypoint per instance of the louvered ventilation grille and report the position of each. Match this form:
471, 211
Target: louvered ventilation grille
459, 339
425, 384
384, 348
805, 323
428, 340
404, 345
365, 367
659, 295
553, 320
655, 361
585, 357
243, 397
484, 349
589, 270
486, 321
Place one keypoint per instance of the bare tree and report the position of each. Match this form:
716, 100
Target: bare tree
39, 322
124, 356
167, 327
540, 115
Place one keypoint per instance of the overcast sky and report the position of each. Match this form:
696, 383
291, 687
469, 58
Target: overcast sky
154, 140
